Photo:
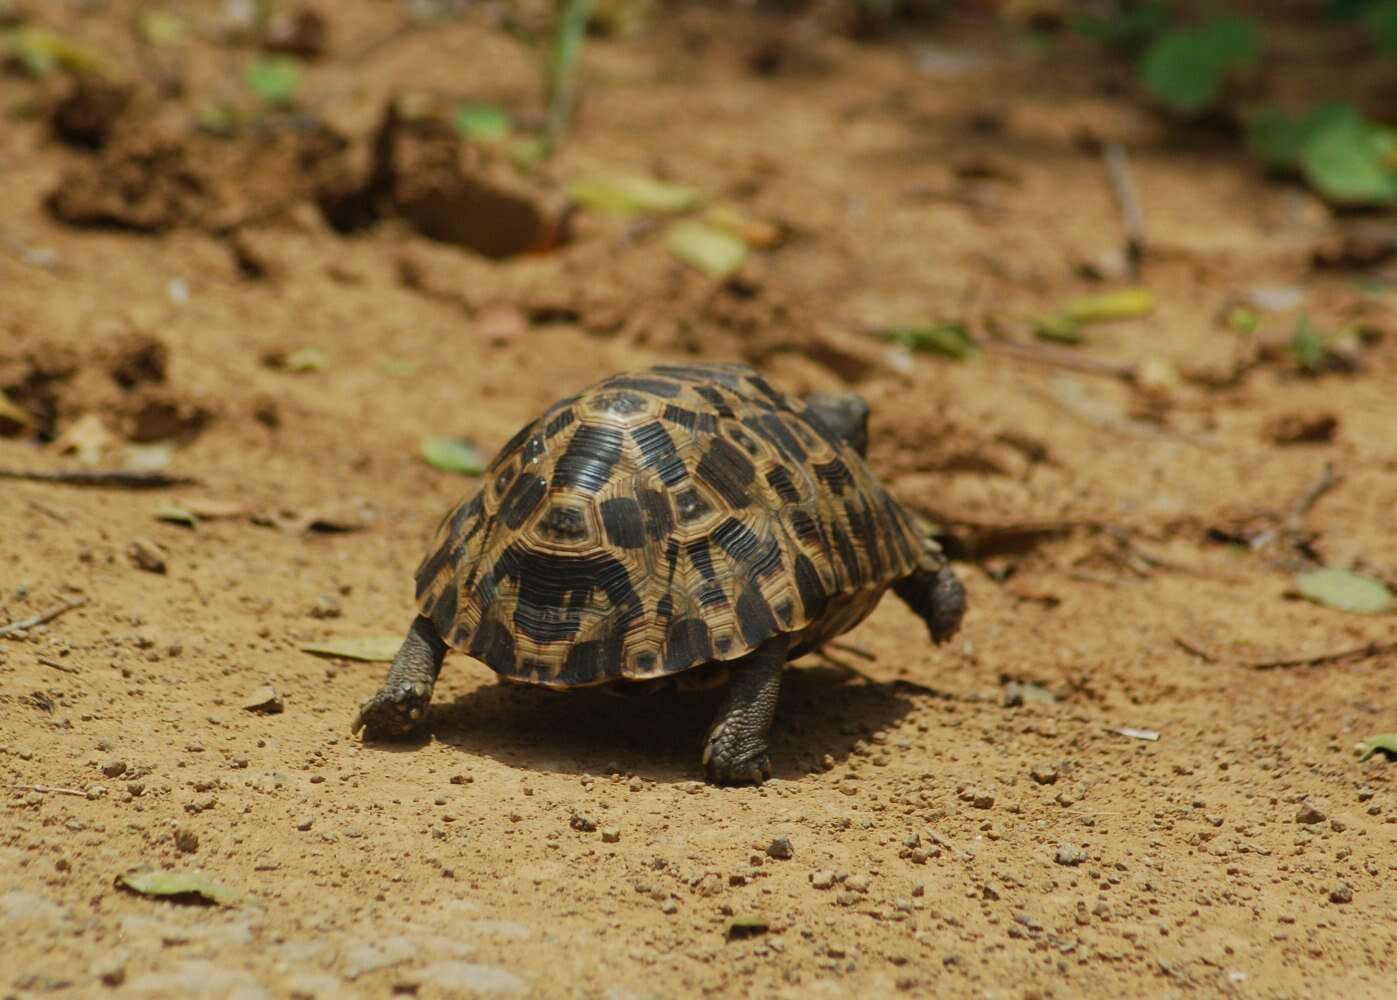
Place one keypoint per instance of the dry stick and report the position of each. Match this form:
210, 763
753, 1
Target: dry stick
1357, 653
51, 790
1057, 357
47, 615
135, 479
1328, 479
1128, 201
58, 666
1189, 646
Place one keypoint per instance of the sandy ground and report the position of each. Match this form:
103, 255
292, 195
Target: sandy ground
969, 821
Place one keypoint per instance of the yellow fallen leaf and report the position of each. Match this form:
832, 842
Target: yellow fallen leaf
714, 251
372, 648
1126, 303
753, 231
12, 412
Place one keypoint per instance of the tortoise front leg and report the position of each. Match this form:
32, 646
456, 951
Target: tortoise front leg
401, 703
736, 749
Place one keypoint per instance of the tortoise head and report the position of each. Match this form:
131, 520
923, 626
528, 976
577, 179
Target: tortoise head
845, 414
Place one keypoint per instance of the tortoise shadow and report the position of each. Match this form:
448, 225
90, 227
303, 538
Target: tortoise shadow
659, 737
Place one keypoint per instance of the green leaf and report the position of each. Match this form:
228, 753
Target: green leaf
1127, 303
179, 887
952, 340
274, 79
1345, 590
369, 648
1060, 328
40, 51
482, 122
177, 515
1385, 742
1278, 138
529, 152
1352, 162
1308, 348
306, 359
452, 455
161, 28
1243, 320
714, 251
629, 196
1185, 68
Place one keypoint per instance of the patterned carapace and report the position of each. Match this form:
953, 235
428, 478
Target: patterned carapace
660, 520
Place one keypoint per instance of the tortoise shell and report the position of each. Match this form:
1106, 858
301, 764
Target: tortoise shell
660, 520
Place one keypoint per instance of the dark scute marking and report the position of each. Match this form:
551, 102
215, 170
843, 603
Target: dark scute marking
558, 423
898, 529
533, 451
591, 661
658, 520
850, 558
834, 474
691, 506
745, 442
654, 386
787, 613
444, 609
812, 592
724, 644
671, 559
686, 643
522, 499
701, 558
645, 662
624, 523
780, 481
773, 429
807, 529
865, 529
758, 557
622, 404
797, 428
553, 589
715, 399
587, 462
505, 477
563, 524
664, 608
764, 387
657, 452
754, 616
694, 423
698, 373
728, 471
494, 644
513, 444
432, 565
712, 597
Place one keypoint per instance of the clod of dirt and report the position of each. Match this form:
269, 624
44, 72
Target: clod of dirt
147, 556
582, 823
1301, 428
822, 880
781, 848
980, 798
1070, 854
161, 414
1310, 814
1044, 774
86, 114
186, 840
114, 768
611, 835
451, 192
138, 359
1341, 892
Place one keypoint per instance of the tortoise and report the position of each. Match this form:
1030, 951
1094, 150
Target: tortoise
663, 522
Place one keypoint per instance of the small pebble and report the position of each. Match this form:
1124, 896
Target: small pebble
1070, 854
781, 848
186, 840
1044, 774
1341, 892
305, 823
1309, 814
610, 835
114, 768
822, 880
581, 823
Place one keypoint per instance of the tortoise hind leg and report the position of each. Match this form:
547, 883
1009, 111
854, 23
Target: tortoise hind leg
401, 704
938, 597
736, 748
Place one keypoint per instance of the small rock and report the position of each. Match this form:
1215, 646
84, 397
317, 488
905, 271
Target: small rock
847, 898
186, 840
1341, 892
265, 701
114, 768
305, 822
610, 835
326, 606
669, 906
1070, 854
781, 848
582, 823
1302, 428
470, 978
859, 883
1309, 814
1044, 774
980, 798
822, 880
147, 556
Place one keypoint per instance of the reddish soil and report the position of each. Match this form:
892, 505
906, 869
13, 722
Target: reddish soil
968, 821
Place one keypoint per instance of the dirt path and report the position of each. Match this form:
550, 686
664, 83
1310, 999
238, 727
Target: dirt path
964, 822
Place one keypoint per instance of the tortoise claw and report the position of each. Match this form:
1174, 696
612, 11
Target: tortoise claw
394, 712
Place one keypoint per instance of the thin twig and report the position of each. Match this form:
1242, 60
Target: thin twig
134, 479
1128, 201
1319, 660
1057, 357
58, 666
1328, 479
47, 615
1189, 646
50, 790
